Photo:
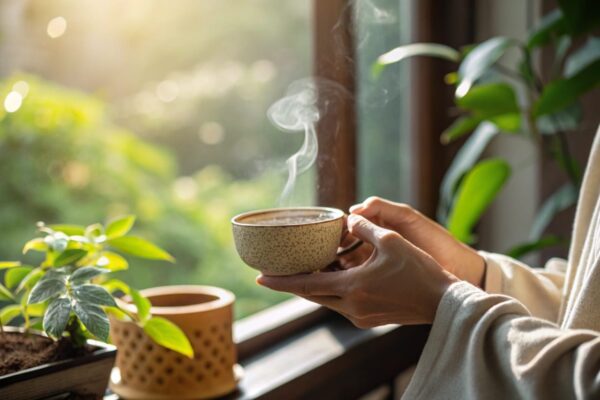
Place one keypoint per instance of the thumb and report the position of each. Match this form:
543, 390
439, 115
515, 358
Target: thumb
367, 231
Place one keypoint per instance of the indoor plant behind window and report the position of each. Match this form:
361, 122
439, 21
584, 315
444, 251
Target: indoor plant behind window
515, 99
68, 296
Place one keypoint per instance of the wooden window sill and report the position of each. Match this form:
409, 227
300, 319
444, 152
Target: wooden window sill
300, 350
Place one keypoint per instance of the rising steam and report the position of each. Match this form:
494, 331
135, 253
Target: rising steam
306, 101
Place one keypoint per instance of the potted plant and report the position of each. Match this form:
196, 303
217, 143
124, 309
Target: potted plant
148, 371
69, 296
514, 99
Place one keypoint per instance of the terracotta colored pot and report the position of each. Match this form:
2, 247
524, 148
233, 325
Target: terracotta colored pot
147, 370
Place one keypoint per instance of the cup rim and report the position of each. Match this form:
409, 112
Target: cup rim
338, 214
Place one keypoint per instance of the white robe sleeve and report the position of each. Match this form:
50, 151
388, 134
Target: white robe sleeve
486, 346
540, 290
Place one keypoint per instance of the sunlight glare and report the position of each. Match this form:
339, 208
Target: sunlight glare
211, 133
167, 91
21, 87
57, 27
263, 71
185, 188
13, 101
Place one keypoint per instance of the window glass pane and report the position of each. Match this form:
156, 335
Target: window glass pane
383, 102
155, 108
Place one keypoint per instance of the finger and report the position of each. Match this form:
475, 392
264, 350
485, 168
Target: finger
366, 230
384, 212
331, 302
321, 284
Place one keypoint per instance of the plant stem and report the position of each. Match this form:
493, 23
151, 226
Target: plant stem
510, 73
569, 162
26, 317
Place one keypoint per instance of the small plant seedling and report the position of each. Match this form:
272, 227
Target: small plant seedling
70, 293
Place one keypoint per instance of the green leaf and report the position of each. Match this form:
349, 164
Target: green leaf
5, 294
529, 247
94, 319
94, 231
558, 201
563, 92
169, 335
584, 56
478, 189
57, 317
490, 99
37, 244
15, 275
464, 160
86, 273
120, 227
93, 294
69, 257
140, 247
459, 128
118, 313
416, 49
36, 310
510, 123
31, 279
580, 15
57, 241
479, 60
566, 119
70, 230
9, 313
551, 26
113, 285
9, 264
112, 261
45, 289
142, 305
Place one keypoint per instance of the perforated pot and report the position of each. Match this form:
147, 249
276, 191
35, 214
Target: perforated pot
147, 370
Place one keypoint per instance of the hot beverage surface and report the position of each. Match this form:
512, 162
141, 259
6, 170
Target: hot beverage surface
293, 219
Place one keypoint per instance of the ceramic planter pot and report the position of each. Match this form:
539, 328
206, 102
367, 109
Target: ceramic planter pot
86, 376
146, 370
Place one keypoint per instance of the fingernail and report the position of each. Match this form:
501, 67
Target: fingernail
356, 207
353, 218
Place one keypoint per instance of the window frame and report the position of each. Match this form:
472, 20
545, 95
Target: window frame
391, 348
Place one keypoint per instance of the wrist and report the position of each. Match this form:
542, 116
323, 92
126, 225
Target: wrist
447, 280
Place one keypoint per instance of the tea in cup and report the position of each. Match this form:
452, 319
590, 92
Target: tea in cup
287, 241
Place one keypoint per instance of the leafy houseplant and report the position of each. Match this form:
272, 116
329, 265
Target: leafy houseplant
69, 294
514, 100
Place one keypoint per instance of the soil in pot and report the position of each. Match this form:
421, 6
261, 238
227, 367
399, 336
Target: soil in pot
20, 351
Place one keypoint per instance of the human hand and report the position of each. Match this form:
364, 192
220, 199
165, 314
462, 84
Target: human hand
454, 256
399, 283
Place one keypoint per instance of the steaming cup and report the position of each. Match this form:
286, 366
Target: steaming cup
287, 241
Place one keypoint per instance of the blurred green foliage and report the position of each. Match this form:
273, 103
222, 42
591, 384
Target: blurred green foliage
63, 159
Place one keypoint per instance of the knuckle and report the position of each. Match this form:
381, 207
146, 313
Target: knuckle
373, 201
388, 238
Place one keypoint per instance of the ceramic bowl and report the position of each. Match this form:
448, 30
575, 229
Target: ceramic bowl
280, 241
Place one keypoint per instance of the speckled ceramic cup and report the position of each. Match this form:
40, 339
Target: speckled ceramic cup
286, 241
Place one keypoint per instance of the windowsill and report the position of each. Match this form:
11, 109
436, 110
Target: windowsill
300, 350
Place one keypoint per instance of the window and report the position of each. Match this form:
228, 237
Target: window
384, 156
156, 109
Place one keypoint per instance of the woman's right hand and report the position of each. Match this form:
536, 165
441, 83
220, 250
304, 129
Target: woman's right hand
454, 256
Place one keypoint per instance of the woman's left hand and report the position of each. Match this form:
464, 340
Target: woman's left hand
398, 284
